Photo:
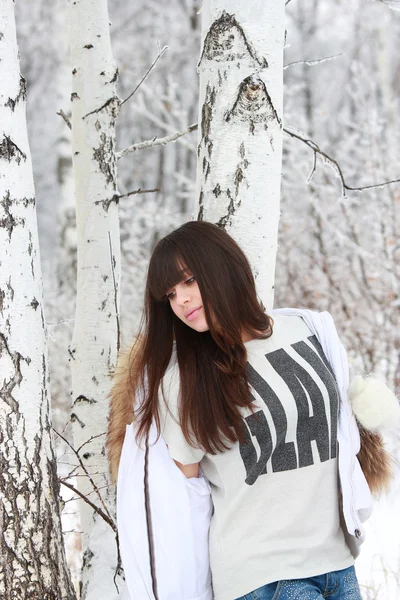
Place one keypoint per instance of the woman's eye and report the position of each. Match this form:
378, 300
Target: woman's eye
188, 281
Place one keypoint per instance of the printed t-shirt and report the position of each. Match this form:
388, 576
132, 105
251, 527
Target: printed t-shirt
276, 509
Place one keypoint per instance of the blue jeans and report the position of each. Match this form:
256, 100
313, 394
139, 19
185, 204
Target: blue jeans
338, 585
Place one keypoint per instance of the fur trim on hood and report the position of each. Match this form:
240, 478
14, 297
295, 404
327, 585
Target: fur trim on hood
120, 413
375, 407
373, 403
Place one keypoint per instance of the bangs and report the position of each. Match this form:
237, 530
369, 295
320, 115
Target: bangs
167, 268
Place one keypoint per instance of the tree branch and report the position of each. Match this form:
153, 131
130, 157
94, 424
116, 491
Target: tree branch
64, 116
311, 63
146, 74
91, 504
106, 203
334, 164
139, 191
157, 141
294, 134
87, 473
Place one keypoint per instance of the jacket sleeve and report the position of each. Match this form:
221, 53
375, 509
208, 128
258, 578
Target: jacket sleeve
171, 431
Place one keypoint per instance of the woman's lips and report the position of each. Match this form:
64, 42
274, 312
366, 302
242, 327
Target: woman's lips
194, 314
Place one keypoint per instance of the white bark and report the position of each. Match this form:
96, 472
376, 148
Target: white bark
61, 297
95, 106
31, 542
240, 127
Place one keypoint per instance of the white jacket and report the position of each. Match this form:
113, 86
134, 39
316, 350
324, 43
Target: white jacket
181, 508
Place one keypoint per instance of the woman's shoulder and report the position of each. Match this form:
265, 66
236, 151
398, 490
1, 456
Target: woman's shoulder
290, 326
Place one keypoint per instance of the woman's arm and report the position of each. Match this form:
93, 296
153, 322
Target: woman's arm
188, 470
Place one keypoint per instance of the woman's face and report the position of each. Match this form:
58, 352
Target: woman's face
185, 300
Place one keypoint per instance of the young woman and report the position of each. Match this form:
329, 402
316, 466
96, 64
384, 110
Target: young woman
256, 403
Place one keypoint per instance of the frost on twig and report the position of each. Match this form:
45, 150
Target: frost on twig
311, 63
156, 141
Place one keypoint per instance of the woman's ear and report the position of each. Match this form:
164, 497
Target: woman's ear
374, 404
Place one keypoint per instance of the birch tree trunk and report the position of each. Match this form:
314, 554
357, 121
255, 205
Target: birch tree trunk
32, 553
95, 106
240, 132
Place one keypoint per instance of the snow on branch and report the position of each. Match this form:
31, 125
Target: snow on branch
157, 141
334, 164
311, 63
146, 74
106, 203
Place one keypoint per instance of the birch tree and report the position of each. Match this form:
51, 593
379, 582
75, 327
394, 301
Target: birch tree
240, 127
93, 351
32, 553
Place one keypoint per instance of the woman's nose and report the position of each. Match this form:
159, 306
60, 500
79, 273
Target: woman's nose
182, 296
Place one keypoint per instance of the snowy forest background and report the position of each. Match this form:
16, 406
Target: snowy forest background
337, 253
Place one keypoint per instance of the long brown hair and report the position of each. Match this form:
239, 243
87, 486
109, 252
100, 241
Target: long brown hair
212, 364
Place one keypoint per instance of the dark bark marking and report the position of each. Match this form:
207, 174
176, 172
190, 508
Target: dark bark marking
34, 303
87, 559
74, 96
81, 399
88, 46
74, 71
8, 222
27, 201
115, 76
206, 118
231, 211
11, 102
10, 151
226, 41
104, 157
113, 103
217, 190
10, 288
253, 104
6, 391
238, 180
74, 417
200, 214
